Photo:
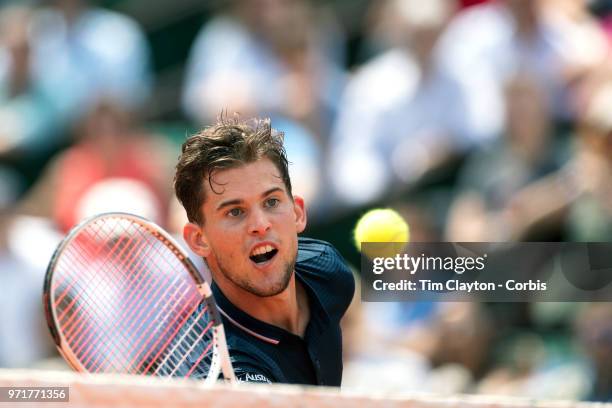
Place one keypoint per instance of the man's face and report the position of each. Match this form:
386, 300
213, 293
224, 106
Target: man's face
250, 228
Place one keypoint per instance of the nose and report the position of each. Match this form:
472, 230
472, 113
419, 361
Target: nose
259, 224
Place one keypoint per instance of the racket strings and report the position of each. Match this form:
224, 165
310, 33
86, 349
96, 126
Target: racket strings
96, 287
184, 348
79, 333
126, 303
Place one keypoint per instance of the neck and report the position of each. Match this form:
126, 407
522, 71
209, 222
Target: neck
287, 310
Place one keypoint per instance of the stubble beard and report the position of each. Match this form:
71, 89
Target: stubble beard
245, 285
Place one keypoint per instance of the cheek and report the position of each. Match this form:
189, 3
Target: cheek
224, 239
227, 252
289, 235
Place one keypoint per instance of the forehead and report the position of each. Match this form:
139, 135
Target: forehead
241, 182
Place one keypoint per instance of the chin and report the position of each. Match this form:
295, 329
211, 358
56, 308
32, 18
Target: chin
280, 284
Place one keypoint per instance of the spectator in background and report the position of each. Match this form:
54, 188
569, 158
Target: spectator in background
585, 40
578, 197
56, 62
590, 214
381, 22
23, 337
593, 328
105, 51
29, 117
278, 58
487, 44
272, 57
445, 352
492, 175
108, 148
402, 113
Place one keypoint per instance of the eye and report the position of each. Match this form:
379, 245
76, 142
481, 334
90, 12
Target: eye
235, 212
272, 202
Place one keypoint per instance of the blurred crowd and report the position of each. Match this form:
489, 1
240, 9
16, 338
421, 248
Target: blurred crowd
477, 120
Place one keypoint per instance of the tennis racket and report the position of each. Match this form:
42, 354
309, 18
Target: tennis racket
121, 296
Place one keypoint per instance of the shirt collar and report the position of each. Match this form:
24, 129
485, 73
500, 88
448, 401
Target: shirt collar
262, 330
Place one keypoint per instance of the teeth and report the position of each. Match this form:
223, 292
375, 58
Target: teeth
262, 250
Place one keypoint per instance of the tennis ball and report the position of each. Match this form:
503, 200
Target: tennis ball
382, 225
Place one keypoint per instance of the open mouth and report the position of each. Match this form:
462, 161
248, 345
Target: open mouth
263, 254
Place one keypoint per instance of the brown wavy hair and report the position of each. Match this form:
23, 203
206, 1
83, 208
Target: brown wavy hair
229, 143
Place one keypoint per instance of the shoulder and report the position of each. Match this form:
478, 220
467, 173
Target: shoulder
324, 269
320, 256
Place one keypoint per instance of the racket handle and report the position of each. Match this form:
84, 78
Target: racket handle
226, 362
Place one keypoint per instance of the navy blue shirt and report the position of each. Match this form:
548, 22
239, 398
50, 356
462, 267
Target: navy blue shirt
261, 352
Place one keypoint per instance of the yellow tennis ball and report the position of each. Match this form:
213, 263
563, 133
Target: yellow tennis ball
382, 225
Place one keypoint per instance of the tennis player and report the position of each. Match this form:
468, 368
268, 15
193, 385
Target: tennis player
281, 297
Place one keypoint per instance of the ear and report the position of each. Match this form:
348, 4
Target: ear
196, 239
300, 213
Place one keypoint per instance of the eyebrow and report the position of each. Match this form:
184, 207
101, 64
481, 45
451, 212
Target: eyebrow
237, 201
